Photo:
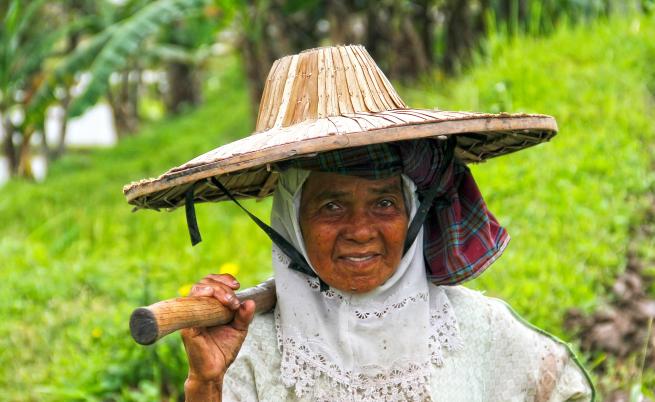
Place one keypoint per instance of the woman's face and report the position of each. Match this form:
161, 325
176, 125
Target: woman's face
354, 229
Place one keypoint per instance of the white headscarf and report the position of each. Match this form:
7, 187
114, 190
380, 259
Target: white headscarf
368, 347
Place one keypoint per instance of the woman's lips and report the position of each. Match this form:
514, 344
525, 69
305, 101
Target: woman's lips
359, 259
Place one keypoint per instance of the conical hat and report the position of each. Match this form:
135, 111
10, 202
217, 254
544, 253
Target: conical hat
325, 99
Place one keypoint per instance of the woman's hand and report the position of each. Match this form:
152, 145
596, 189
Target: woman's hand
210, 351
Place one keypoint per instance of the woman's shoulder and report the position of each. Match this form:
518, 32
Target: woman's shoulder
464, 298
492, 321
475, 309
262, 337
516, 348
494, 313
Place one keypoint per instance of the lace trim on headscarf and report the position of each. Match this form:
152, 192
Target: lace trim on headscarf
377, 311
406, 381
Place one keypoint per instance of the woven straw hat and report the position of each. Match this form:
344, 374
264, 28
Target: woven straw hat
324, 99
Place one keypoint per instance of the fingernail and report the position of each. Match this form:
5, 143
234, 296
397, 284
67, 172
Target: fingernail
229, 298
235, 283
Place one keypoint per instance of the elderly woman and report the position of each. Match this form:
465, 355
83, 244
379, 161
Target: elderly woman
374, 213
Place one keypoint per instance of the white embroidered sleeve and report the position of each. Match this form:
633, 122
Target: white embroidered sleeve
545, 364
571, 385
239, 382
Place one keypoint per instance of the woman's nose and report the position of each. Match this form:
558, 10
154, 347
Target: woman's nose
359, 228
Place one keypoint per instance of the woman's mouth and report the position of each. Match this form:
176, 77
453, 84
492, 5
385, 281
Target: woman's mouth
359, 259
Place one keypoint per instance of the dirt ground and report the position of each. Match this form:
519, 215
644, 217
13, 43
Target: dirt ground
619, 333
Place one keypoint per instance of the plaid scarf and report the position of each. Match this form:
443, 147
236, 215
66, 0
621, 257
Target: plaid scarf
461, 237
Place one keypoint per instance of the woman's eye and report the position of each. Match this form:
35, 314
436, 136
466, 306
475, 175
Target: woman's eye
386, 203
331, 206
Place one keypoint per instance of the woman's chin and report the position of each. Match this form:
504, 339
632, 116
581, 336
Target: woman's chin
356, 288
359, 276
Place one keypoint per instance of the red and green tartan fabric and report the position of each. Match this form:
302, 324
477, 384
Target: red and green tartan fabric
461, 237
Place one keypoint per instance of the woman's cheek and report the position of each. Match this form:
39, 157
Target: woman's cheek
320, 242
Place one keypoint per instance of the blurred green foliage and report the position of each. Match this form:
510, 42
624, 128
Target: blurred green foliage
568, 204
75, 261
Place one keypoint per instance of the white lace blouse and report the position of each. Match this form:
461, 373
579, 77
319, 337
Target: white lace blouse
502, 360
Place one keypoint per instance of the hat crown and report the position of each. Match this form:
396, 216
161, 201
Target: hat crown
324, 82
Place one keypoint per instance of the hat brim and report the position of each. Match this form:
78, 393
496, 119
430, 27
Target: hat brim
243, 166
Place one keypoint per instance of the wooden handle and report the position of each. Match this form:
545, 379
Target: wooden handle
149, 324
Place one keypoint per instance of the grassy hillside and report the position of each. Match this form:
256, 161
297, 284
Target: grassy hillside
74, 261
568, 204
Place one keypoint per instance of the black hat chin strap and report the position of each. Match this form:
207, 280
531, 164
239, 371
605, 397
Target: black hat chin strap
419, 219
191, 221
298, 262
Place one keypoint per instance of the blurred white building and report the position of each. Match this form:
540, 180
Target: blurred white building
95, 128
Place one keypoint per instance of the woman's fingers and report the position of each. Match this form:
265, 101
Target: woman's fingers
201, 290
225, 279
244, 315
188, 333
220, 291
222, 288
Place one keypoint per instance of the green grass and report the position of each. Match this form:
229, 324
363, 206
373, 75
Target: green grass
568, 204
74, 261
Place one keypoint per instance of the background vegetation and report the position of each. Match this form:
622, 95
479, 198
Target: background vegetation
74, 261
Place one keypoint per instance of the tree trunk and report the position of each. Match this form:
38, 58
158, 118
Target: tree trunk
459, 36
25, 155
63, 128
339, 18
514, 13
257, 60
426, 28
480, 27
45, 147
399, 38
133, 93
124, 106
184, 89
71, 45
417, 49
8, 148
381, 37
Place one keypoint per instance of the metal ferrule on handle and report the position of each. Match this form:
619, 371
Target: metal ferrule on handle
151, 323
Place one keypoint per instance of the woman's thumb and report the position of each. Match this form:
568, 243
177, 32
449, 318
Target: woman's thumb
244, 315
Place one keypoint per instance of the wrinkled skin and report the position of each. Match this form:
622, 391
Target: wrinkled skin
354, 231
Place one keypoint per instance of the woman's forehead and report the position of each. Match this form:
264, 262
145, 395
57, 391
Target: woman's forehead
329, 185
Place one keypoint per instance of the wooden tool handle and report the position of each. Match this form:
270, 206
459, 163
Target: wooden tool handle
149, 324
